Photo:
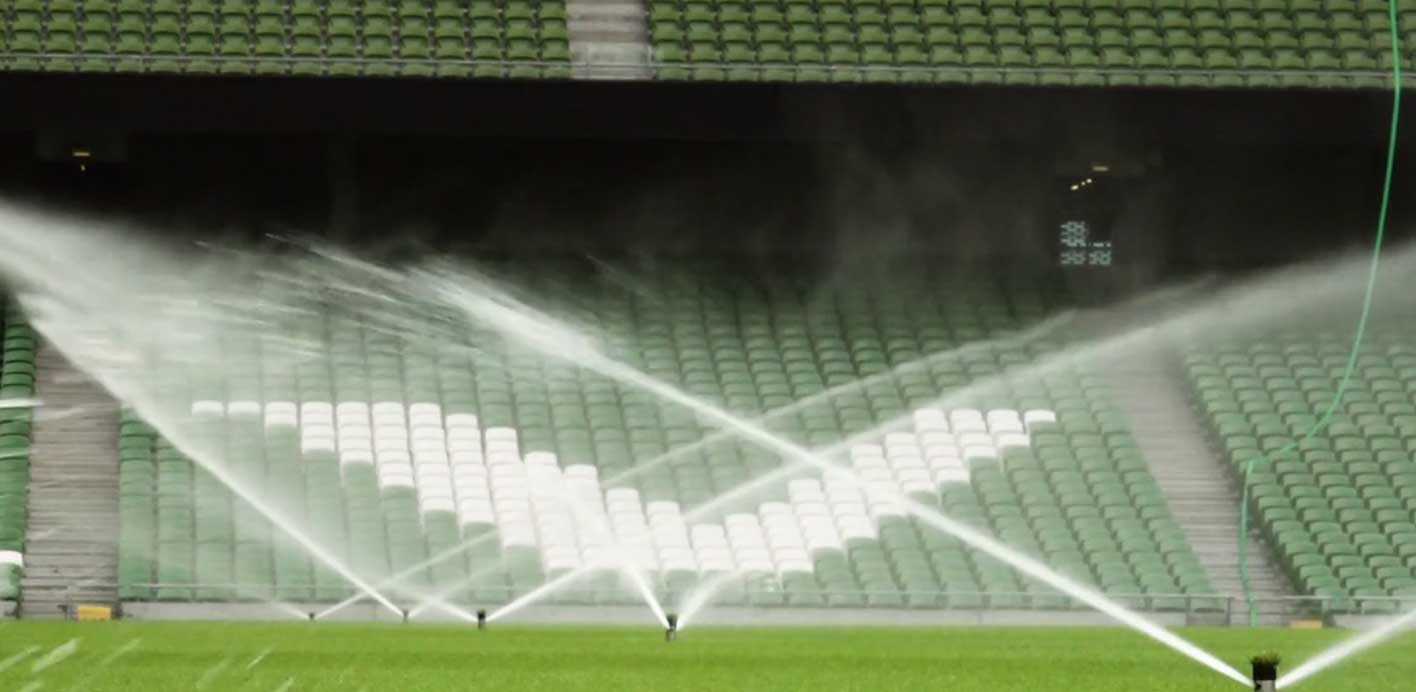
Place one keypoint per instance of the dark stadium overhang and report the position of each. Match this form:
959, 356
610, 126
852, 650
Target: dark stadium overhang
1030, 116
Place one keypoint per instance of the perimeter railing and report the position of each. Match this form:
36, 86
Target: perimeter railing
168, 592
1218, 608
1325, 607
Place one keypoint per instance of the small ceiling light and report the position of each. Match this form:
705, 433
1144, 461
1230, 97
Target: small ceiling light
81, 153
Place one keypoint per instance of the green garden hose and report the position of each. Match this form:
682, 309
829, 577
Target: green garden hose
1357, 338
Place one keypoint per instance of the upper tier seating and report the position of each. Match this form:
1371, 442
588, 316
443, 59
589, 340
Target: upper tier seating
417, 38
392, 449
1202, 43
1337, 506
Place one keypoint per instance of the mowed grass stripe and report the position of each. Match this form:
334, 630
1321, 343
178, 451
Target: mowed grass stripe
346, 657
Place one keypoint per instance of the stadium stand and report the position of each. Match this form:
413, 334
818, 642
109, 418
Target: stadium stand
1203, 43
394, 450
421, 38
1338, 505
16, 383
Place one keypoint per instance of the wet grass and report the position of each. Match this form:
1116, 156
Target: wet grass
155, 657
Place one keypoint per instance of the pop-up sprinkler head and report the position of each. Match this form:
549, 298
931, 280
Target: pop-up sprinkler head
481, 619
671, 632
1266, 671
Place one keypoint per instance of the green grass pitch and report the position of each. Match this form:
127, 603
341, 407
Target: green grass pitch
343, 657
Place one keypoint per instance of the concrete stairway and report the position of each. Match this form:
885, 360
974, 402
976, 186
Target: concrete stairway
1201, 492
71, 550
609, 39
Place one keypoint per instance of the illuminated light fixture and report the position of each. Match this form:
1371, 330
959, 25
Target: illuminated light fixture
1074, 188
1088, 181
671, 632
481, 619
81, 153
1100, 168
1265, 671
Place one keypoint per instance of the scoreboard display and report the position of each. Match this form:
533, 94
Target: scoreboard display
1084, 222
1078, 248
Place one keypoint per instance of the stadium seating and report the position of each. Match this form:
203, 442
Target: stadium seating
395, 450
1203, 43
1338, 505
16, 382
416, 38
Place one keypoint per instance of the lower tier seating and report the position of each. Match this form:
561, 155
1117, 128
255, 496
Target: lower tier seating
341, 38
1337, 505
389, 449
1207, 44
16, 388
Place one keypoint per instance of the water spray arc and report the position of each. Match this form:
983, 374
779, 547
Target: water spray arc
699, 598
1267, 298
400, 577
615, 555
799, 458
1110, 347
438, 599
1030, 335
545, 589
84, 316
1348, 648
1033, 333
636, 576
618, 551
184, 441
523, 323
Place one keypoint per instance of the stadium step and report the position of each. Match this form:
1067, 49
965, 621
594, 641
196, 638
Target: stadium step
72, 539
608, 39
1150, 388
